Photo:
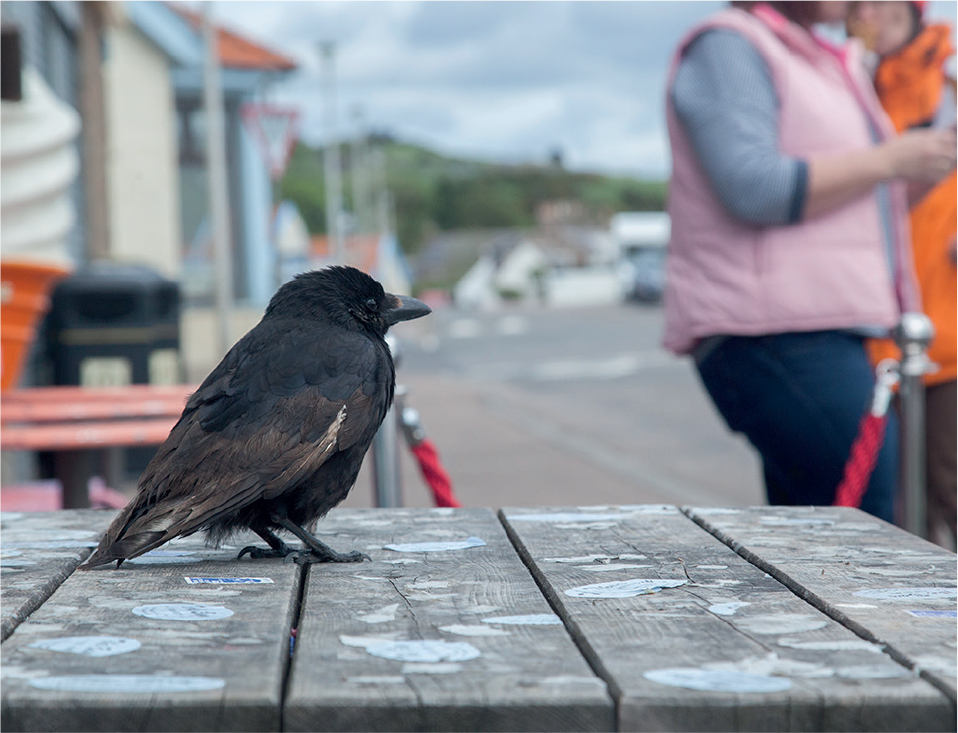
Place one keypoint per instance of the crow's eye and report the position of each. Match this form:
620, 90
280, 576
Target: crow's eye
371, 305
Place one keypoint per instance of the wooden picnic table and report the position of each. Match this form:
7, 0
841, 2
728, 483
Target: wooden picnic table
571, 618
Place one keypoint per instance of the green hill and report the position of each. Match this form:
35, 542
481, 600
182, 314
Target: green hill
437, 193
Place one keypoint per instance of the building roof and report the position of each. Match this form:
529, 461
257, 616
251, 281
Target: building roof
361, 250
235, 51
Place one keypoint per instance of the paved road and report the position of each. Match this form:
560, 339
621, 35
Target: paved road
532, 407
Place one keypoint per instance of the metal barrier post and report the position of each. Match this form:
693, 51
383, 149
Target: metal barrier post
387, 484
913, 334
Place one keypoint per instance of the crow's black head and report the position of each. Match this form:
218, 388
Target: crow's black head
345, 296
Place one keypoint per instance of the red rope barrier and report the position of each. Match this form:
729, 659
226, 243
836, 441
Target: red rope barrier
871, 435
861, 461
434, 474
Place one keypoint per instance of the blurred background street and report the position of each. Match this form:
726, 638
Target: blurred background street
529, 406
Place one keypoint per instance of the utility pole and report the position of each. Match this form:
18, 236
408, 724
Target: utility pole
216, 175
359, 169
380, 194
331, 164
93, 114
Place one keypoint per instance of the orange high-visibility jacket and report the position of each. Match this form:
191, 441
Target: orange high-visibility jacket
909, 84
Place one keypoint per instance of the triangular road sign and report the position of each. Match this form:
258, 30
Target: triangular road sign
274, 128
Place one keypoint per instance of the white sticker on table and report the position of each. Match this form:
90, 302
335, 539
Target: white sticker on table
130, 683
693, 678
53, 544
473, 630
424, 651
588, 558
782, 623
16, 562
832, 645
182, 612
436, 546
68, 534
565, 517
728, 609
624, 588
611, 567
795, 521
383, 615
529, 619
89, 646
872, 672
909, 594
164, 557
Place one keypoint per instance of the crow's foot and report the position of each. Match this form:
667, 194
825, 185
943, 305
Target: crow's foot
302, 557
316, 550
333, 556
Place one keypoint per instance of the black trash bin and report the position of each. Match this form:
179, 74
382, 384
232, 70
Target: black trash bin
114, 324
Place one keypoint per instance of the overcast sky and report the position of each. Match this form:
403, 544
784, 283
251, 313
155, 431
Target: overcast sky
501, 80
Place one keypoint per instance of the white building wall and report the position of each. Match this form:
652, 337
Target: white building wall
143, 159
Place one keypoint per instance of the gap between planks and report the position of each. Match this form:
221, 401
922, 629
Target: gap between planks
816, 601
587, 651
301, 590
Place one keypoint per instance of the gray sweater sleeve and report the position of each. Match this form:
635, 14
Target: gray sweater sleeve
725, 100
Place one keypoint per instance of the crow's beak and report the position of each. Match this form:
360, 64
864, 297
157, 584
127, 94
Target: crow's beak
405, 308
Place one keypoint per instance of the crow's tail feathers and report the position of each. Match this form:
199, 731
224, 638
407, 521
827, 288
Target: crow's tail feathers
124, 548
129, 536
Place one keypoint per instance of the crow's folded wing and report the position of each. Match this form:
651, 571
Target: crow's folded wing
274, 410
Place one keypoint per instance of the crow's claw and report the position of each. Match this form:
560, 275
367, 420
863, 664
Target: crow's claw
258, 552
354, 556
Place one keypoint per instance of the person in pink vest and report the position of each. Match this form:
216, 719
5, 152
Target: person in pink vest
790, 242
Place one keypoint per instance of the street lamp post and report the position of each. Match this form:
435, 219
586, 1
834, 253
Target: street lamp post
331, 164
216, 174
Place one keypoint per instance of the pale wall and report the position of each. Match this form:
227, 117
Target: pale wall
141, 143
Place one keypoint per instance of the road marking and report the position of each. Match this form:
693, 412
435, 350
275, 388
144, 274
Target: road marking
464, 328
614, 367
512, 325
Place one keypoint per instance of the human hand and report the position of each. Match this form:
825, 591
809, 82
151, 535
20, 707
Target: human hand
921, 155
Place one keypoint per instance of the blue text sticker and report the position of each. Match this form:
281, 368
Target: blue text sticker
226, 581
934, 614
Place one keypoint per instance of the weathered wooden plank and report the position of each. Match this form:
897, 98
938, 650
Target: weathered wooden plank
714, 643
201, 655
888, 585
416, 639
39, 551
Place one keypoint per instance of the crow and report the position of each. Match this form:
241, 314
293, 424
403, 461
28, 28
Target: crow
275, 436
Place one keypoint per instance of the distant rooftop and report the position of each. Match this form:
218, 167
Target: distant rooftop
235, 51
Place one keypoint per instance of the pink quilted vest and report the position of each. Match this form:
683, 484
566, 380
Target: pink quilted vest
728, 277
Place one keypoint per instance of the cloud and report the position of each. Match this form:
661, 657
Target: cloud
503, 80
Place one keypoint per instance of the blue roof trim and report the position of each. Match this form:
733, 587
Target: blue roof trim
234, 81
169, 31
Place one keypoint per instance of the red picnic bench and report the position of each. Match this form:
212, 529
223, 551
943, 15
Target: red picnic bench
77, 423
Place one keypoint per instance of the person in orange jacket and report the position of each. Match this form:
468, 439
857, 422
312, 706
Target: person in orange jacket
916, 90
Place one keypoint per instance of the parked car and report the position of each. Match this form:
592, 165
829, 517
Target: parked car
641, 238
644, 274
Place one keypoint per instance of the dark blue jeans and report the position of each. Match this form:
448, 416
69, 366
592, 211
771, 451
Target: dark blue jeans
799, 399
